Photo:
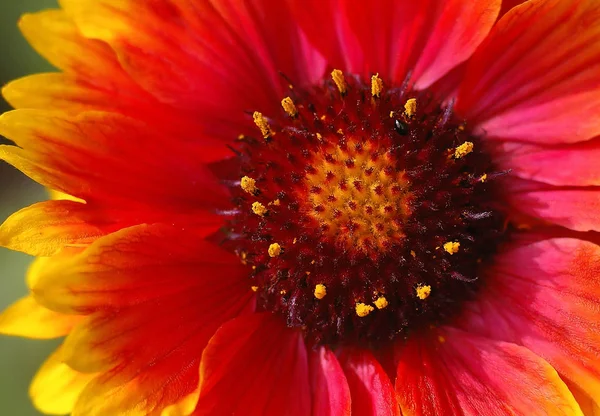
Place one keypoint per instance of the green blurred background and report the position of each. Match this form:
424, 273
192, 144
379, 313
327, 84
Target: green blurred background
19, 358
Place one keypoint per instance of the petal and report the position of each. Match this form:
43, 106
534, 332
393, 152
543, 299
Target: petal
88, 156
56, 386
426, 39
44, 228
371, 390
545, 295
462, 374
459, 29
153, 306
537, 76
27, 318
136, 265
562, 165
327, 27
56, 38
330, 391
255, 366
258, 39
571, 207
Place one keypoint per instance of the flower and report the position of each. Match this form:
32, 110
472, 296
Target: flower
316, 207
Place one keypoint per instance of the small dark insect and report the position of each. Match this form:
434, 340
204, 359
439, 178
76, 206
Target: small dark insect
400, 127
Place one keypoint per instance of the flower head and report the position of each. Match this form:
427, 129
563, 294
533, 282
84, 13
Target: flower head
322, 208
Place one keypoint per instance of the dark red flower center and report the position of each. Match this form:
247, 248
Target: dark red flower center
364, 212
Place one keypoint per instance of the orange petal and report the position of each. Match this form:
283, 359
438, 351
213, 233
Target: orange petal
255, 366
56, 387
537, 76
54, 35
457, 373
43, 229
57, 91
26, 318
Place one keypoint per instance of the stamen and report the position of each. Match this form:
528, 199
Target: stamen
259, 209
320, 291
423, 291
363, 310
249, 185
410, 108
262, 124
340, 81
289, 107
483, 178
274, 250
381, 302
376, 85
451, 247
463, 150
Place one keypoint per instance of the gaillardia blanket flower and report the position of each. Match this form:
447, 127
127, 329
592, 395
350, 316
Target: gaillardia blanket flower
316, 207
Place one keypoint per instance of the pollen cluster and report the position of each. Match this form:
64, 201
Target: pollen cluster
363, 211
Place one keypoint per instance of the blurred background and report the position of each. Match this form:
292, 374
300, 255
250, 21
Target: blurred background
19, 358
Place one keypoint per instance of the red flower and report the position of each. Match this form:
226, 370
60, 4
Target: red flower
312, 208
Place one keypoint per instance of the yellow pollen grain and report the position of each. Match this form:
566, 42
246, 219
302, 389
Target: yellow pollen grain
340, 81
248, 184
320, 291
410, 108
363, 310
452, 247
441, 339
483, 177
289, 107
254, 288
276, 202
259, 209
274, 250
423, 291
381, 302
262, 124
241, 137
319, 136
412, 253
463, 150
376, 85
392, 114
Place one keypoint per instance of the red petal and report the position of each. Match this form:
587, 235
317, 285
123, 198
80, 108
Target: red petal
572, 207
562, 165
156, 295
537, 76
89, 156
255, 366
209, 58
462, 374
371, 390
427, 38
330, 391
545, 295
326, 26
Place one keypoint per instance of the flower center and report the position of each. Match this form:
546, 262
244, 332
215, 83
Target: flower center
364, 212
